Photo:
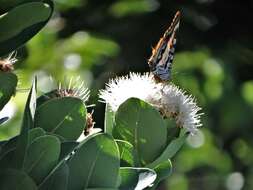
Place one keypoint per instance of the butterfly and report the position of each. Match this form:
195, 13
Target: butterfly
160, 62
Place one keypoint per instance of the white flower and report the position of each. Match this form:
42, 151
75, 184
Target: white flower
6, 65
167, 98
176, 103
120, 89
74, 88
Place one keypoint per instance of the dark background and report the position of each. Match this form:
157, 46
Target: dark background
101, 39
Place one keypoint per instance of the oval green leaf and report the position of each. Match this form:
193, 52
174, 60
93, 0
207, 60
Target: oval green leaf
163, 170
42, 156
58, 180
140, 124
136, 178
6, 159
95, 164
15, 179
127, 154
8, 84
62, 116
35, 133
67, 148
27, 123
170, 150
21, 23
12, 143
46, 97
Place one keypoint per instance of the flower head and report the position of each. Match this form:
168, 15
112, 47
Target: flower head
6, 65
74, 88
135, 85
169, 99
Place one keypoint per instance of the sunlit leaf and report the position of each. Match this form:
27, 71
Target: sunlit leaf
21, 23
62, 116
140, 124
93, 159
8, 83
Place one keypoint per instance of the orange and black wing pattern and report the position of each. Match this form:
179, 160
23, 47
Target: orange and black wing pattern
160, 62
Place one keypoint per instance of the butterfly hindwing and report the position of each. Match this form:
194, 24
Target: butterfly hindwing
160, 62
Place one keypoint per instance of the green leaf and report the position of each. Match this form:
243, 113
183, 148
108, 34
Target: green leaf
21, 23
42, 156
95, 164
8, 83
62, 116
11, 179
109, 119
127, 154
35, 133
136, 178
6, 159
173, 130
8, 146
67, 148
9, 4
58, 180
12, 143
170, 150
27, 123
163, 170
140, 124
46, 97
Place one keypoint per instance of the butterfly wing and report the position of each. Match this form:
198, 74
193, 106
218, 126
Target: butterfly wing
162, 56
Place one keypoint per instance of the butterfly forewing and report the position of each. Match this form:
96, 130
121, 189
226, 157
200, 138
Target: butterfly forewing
162, 56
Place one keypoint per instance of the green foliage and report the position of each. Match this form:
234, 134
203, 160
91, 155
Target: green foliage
68, 123
127, 154
56, 161
97, 162
27, 123
163, 170
15, 32
42, 156
58, 180
140, 124
136, 178
67, 147
15, 179
8, 83
35, 133
109, 119
170, 150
